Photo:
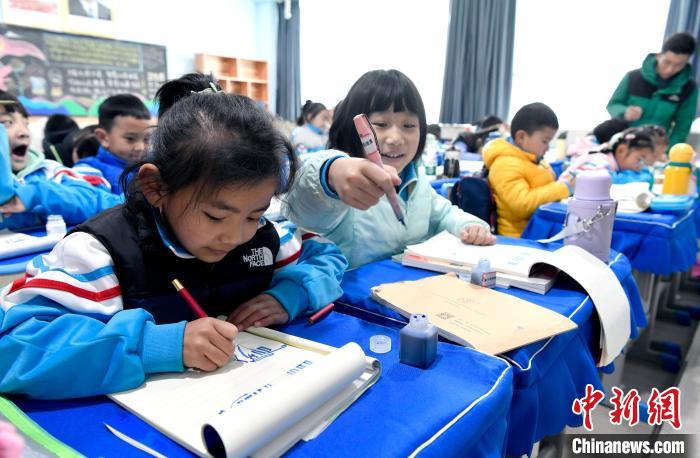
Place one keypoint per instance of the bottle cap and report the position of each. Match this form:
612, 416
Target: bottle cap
680, 152
593, 185
419, 320
55, 225
484, 265
380, 344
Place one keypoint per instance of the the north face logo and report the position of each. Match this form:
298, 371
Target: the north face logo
259, 257
674, 98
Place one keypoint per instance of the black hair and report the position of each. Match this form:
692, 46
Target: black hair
656, 132
215, 140
472, 140
680, 43
532, 117
604, 131
434, 129
12, 104
121, 105
377, 90
634, 137
57, 128
309, 111
174, 90
85, 142
490, 120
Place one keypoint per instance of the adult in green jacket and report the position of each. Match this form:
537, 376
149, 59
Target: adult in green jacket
662, 92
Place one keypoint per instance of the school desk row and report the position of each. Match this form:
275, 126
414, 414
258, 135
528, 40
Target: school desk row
465, 404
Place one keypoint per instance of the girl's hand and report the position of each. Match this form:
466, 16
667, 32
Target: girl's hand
477, 234
208, 343
13, 205
360, 183
262, 310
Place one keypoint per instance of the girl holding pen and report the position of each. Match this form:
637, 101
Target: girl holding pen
348, 199
99, 313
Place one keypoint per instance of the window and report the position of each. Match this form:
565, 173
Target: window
572, 54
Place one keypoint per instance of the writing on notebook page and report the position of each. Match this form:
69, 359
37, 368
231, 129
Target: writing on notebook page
250, 355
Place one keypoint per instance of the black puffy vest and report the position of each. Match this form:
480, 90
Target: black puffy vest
145, 267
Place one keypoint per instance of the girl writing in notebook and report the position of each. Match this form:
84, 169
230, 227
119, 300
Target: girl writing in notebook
341, 195
99, 313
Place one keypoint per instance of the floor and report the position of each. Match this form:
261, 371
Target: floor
639, 374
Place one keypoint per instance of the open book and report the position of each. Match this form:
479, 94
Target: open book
521, 267
278, 390
16, 244
488, 320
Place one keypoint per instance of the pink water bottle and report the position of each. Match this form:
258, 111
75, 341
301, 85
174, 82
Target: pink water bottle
591, 214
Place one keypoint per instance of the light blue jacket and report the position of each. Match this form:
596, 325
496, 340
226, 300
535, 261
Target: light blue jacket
366, 236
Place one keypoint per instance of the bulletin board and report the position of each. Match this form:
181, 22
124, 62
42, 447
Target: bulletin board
52, 72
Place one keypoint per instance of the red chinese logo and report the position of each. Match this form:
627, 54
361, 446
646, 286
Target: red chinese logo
586, 404
665, 406
624, 407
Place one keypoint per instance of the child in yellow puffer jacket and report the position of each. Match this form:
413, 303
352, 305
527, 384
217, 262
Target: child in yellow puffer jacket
520, 179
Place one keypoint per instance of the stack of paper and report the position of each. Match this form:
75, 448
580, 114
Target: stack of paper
16, 244
520, 267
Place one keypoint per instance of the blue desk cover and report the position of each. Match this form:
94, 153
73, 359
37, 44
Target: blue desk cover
654, 242
465, 393
549, 374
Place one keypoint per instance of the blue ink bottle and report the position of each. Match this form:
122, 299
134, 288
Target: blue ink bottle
418, 342
483, 275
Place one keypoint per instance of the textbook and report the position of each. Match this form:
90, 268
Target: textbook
517, 266
471, 315
278, 390
595, 277
16, 243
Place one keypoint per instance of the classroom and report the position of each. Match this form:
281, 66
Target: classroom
313, 228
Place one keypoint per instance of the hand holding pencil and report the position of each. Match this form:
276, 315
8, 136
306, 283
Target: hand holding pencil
208, 343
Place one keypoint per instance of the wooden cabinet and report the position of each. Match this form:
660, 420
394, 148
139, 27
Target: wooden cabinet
239, 76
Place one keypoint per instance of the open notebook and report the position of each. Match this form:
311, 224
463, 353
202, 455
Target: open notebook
279, 390
521, 267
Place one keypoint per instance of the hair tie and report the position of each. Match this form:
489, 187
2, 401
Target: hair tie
212, 89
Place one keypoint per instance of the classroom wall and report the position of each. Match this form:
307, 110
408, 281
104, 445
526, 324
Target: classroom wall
242, 28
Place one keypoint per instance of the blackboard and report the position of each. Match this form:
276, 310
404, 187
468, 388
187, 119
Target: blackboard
55, 72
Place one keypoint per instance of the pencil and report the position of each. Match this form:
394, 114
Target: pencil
189, 299
320, 314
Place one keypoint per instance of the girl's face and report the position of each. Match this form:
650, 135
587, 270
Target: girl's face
18, 135
631, 158
216, 224
322, 120
398, 135
660, 148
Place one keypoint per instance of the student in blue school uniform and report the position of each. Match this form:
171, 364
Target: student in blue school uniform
341, 194
33, 187
98, 314
123, 131
311, 133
